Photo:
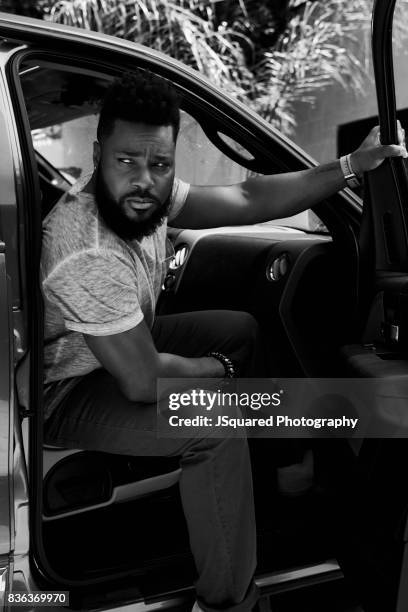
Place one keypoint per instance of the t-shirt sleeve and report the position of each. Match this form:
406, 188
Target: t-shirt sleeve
96, 293
178, 197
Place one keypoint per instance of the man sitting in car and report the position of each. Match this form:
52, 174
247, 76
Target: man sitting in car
103, 263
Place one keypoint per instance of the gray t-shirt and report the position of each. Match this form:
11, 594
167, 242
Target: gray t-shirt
93, 282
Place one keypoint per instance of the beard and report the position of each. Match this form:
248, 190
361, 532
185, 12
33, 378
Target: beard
112, 213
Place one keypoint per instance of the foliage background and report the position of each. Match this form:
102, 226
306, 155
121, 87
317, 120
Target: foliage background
269, 54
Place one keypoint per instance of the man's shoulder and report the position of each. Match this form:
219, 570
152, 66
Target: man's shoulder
71, 221
73, 228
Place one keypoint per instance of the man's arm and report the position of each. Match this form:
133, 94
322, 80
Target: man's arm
97, 295
134, 362
279, 195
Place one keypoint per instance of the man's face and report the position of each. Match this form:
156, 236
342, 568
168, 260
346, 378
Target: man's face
135, 173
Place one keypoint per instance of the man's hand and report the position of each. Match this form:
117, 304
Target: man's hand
371, 153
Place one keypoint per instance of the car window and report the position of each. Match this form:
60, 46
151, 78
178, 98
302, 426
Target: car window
199, 162
63, 104
68, 146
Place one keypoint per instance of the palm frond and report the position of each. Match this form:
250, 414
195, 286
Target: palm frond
315, 51
184, 29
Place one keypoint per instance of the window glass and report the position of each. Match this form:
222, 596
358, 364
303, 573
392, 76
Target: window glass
199, 162
68, 146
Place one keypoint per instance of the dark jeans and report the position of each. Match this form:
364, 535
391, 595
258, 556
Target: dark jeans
216, 480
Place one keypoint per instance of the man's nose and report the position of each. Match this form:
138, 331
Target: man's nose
142, 178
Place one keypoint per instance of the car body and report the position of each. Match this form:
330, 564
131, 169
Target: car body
65, 515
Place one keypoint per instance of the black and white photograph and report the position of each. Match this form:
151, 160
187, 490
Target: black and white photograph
203, 305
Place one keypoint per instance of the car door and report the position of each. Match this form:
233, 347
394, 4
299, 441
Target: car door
377, 526
49, 42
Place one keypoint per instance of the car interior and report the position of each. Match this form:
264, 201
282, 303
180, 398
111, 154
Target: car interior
116, 520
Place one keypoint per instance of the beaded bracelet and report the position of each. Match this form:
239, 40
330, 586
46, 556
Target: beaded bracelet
229, 368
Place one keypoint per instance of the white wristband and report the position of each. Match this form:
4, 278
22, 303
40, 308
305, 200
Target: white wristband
349, 175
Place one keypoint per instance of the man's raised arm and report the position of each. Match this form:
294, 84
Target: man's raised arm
280, 195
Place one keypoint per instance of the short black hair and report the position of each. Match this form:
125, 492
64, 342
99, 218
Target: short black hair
139, 97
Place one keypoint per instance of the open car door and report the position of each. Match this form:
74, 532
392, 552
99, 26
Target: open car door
376, 527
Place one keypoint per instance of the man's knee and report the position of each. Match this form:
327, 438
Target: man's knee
249, 325
245, 345
243, 326
208, 445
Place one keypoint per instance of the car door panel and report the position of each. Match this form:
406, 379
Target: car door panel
294, 284
374, 546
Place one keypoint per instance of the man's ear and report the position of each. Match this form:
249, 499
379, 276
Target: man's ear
96, 153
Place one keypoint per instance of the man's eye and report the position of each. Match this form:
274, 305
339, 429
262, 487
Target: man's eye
125, 160
161, 164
